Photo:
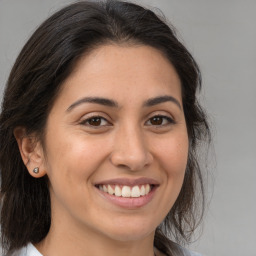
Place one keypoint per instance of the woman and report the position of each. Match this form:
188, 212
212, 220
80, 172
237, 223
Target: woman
99, 131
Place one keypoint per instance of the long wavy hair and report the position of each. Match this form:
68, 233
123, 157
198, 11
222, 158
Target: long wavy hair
44, 63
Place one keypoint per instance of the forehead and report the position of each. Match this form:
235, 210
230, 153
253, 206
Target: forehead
131, 71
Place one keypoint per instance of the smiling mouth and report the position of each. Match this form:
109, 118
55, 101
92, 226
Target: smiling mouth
125, 190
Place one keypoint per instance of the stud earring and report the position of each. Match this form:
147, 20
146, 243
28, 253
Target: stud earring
36, 170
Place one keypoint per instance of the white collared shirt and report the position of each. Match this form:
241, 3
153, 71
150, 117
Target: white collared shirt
30, 250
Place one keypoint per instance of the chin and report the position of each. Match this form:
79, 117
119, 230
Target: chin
131, 231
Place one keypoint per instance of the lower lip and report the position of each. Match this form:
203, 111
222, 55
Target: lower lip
129, 202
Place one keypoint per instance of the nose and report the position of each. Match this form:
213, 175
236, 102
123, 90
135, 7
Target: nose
130, 150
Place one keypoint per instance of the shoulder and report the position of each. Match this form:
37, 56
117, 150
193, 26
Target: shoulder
187, 252
28, 250
179, 251
195, 254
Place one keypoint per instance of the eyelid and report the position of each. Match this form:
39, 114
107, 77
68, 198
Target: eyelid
169, 119
91, 116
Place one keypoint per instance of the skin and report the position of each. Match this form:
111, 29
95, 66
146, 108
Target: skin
127, 142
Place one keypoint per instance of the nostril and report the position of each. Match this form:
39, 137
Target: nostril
123, 166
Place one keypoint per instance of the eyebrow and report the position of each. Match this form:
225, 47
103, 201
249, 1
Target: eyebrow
95, 100
161, 99
111, 103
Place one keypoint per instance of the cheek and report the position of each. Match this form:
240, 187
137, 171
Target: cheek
173, 155
71, 162
73, 158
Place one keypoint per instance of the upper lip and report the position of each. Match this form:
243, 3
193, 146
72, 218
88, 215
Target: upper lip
128, 181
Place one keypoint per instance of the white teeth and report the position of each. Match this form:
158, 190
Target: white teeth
142, 191
110, 190
147, 189
118, 191
135, 191
126, 191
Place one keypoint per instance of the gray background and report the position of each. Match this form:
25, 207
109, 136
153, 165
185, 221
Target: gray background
222, 37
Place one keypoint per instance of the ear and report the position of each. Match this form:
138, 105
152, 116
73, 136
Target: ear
31, 152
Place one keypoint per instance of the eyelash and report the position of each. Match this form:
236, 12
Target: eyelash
99, 119
168, 120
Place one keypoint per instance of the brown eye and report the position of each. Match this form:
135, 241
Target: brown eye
159, 121
96, 121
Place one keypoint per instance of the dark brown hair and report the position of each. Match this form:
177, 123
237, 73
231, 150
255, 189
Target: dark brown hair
44, 63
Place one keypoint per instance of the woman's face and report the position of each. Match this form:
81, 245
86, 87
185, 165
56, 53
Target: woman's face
116, 144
